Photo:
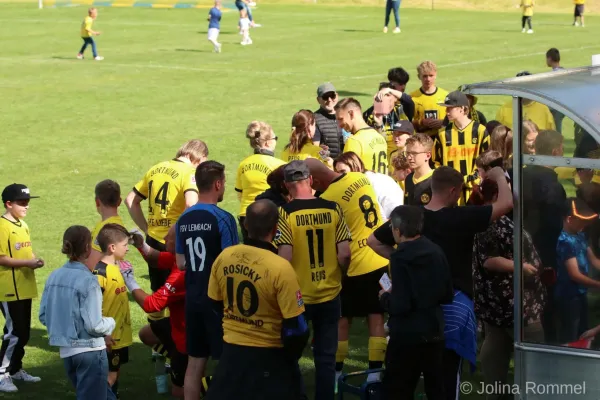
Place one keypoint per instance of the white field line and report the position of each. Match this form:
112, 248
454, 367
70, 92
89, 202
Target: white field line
19, 60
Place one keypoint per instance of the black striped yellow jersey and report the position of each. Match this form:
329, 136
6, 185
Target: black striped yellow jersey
458, 149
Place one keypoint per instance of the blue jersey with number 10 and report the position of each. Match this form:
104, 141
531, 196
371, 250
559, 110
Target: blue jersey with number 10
203, 231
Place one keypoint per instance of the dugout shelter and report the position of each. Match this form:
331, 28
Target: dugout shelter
542, 370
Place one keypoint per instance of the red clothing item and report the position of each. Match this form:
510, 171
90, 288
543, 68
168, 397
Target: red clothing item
171, 295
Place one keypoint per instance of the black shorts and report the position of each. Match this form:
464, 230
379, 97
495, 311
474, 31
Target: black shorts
204, 330
116, 358
579, 9
360, 294
254, 373
158, 277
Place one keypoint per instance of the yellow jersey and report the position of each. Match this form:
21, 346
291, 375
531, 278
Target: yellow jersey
258, 289
85, 26
251, 177
115, 302
579, 2
112, 220
426, 106
371, 147
527, 6
308, 150
534, 111
313, 228
165, 185
355, 195
15, 242
458, 149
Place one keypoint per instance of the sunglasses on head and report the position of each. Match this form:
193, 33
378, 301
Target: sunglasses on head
329, 96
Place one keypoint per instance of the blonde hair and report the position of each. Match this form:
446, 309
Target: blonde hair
424, 140
195, 150
91, 10
426, 66
258, 132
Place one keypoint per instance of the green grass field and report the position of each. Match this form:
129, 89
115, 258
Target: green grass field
67, 124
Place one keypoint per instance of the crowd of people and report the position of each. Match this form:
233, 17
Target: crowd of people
416, 188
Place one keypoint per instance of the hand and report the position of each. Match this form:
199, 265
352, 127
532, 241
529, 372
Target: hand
382, 93
109, 342
138, 238
35, 263
381, 292
98, 33
496, 174
589, 334
529, 269
324, 146
125, 266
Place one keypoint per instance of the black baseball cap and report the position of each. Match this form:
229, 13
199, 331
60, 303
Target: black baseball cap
295, 171
403, 126
15, 192
455, 99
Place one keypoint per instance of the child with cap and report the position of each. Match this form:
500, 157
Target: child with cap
573, 259
17, 285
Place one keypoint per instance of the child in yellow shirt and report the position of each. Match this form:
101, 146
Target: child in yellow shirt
86, 34
527, 6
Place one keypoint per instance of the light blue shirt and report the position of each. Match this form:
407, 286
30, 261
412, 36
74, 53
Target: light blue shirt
71, 308
215, 18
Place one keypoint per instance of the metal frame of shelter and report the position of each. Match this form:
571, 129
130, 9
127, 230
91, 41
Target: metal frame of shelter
543, 371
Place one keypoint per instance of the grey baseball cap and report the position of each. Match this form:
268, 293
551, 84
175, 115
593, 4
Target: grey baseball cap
326, 87
295, 171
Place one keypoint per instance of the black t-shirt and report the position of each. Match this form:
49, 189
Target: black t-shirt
453, 229
417, 194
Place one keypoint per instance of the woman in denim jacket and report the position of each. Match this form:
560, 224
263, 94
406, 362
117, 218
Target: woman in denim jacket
71, 309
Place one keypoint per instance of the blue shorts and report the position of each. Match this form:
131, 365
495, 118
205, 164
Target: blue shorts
204, 330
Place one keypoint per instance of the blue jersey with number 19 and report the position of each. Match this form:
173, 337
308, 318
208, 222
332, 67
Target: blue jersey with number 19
203, 231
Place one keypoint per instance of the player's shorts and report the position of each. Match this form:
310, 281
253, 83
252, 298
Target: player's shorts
360, 294
579, 9
262, 373
204, 330
158, 277
213, 34
116, 358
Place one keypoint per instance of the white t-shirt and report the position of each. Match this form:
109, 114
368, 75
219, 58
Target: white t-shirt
244, 23
389, 193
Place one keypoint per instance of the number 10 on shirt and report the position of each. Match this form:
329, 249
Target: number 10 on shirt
196, 251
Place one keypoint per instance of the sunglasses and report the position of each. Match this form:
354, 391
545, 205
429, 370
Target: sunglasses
329, 96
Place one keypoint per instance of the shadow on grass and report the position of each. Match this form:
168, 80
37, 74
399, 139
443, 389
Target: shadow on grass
356, 30
67, 58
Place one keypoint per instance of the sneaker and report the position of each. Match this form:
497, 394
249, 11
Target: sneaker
98, 58
524, 30
530, 31
385, 29
7, 385
80, 56
218, 48
397, 30
256, 25
576, 24
22, 375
